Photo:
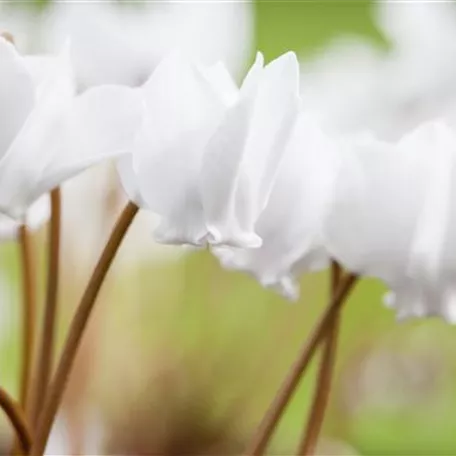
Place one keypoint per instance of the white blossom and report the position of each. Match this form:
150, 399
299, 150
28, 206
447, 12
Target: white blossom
394, 217
47, 134
208, 153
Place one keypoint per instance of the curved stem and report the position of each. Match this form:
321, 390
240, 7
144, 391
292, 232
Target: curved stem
29, 311
285, 393
323, 387
17, 419
45, 357
77, 328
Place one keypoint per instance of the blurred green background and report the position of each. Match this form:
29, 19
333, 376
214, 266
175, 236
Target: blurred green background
168, 339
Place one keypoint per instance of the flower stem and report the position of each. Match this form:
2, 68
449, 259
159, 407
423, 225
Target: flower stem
285, 393
45, 357
323, 387
77, 328
17, 419
29, 311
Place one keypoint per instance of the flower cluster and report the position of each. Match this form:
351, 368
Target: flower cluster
245, 170
275, 177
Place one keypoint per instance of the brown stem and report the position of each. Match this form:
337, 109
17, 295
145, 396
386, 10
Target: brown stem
29, 311
17, 419
77, 328
285, 393
323, 387
46, 354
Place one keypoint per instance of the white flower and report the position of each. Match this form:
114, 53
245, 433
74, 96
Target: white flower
208, 153
122, 43
291, 223
356, 86
394, 218
47, 134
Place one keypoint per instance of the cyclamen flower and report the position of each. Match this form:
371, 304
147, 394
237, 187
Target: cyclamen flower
291, 223
394, 218
207, 154
47, 134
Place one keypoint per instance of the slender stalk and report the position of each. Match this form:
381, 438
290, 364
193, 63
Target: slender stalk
28, 313
46, 354
17, 419
323, 387
76, 331
285, 393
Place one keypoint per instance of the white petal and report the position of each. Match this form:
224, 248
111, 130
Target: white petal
275, 111
413, 300
21, 167
253, 77
430, 284
432, 234
395, 217
16, 94
222, 83
41, 66
220, 178
182, 112
378, 198
290, 225
101, 123
243, 156
222, 159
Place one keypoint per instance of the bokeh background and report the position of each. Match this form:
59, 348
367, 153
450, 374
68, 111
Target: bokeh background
182, 357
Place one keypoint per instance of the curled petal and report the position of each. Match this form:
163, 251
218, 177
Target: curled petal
410, 300
182, 112
180, 230
290, 225
244, 154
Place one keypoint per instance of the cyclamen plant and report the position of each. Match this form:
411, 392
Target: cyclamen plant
246, 172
